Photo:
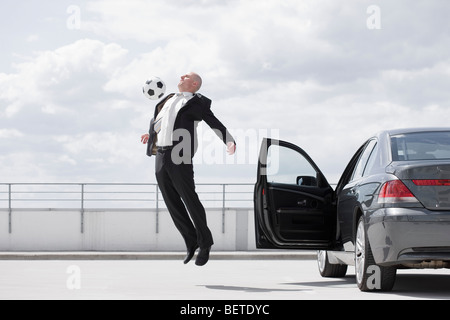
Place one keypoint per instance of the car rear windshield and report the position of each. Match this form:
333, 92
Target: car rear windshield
421, 146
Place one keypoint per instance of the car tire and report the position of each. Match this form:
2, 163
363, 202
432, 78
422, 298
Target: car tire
369, 275
328, 270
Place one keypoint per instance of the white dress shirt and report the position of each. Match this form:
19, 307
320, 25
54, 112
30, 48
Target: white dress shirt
167, 116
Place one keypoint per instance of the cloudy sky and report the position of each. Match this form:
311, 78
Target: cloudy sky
323, 74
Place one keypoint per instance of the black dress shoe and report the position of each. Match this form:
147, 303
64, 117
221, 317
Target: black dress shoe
203, 256
190, 254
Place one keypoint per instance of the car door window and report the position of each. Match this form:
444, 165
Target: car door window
362, 162
289, 167
373, 162
294, 204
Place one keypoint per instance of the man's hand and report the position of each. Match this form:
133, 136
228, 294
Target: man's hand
231, 148
144, 138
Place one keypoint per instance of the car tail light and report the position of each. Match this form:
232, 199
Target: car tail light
395, 191
432, 182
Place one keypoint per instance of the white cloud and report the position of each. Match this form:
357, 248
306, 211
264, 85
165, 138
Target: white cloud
310, 69
33, 38
67, 159
61, 93
10, 133
53, 79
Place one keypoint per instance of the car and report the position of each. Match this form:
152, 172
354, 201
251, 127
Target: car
390, 209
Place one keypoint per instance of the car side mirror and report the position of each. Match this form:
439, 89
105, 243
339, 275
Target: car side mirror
307, 181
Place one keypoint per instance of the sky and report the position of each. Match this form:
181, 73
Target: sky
322, 74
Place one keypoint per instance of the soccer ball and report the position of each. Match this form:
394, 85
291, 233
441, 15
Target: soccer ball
154, 88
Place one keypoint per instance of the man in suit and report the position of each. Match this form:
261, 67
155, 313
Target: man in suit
172, 138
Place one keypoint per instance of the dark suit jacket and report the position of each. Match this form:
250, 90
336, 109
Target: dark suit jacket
196, 109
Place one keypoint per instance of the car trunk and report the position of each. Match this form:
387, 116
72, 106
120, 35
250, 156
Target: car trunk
429, 182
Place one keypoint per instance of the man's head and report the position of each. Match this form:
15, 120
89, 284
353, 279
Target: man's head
190, 82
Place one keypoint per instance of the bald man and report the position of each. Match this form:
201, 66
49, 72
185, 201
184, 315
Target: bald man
172, 138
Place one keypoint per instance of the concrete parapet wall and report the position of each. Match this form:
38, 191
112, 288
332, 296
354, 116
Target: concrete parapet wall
117, 230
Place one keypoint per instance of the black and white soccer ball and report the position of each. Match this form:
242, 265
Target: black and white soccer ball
154, 88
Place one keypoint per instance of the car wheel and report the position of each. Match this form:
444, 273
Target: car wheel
369, 275
328, 270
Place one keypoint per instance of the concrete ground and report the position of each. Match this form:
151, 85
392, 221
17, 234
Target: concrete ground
228, 276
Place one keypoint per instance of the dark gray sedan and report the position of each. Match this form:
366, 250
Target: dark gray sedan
390, 209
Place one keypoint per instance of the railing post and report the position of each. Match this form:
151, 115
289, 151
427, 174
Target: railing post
10, 209
82, 208
157, 209
223, 208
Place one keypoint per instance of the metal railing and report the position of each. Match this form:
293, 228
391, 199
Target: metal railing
129, 196
114, 195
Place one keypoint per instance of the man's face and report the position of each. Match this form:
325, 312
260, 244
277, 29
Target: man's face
187, 83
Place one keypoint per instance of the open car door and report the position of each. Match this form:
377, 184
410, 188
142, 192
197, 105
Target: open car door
294, 203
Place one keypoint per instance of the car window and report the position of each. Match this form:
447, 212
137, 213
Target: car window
362, 162
373, 162
287, 166
421, 146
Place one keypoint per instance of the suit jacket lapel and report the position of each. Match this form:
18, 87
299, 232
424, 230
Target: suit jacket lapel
161, 104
